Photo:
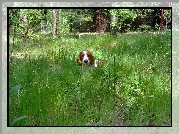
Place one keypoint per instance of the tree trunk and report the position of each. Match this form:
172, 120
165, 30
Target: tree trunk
58, 20
113, 22
24, 25
54, 23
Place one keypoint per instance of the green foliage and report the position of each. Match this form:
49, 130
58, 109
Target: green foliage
17, 119
144, 27
125, 19
131, 89
13, 90
67, 21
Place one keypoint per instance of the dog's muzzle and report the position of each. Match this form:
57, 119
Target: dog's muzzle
86, 61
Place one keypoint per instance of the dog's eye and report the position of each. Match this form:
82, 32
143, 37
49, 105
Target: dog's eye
82, 56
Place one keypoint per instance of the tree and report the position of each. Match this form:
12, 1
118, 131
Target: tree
113, 22
54, 23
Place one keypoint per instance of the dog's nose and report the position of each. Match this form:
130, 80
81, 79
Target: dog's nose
85, 61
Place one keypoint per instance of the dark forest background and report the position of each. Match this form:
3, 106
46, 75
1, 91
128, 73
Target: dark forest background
59, 22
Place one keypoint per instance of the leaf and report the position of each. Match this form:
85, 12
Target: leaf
15, 89
17, 119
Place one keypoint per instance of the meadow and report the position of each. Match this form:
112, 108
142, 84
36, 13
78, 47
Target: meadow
132, 89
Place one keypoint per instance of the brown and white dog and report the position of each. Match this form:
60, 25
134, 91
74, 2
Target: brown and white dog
87, 60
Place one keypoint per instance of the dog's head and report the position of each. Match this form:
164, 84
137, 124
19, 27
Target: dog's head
85, 57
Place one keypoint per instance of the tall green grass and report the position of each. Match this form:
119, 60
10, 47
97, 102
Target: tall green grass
132, 89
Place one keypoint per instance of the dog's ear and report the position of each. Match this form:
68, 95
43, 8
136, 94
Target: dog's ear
78, 60
91, 58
